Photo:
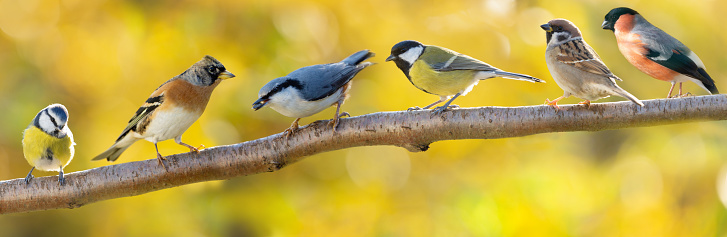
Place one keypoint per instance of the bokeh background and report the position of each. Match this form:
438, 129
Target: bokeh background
103, 58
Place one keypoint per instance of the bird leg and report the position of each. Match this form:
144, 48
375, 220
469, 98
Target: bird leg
428, 106
446, 106
30, 176
334, 121
672, 89
160, 158
554, 103
292, 129
586, 102
61, 179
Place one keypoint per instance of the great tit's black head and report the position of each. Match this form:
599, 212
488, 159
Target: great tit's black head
612, 17
206, 72
52, 120
561, 28
405, 53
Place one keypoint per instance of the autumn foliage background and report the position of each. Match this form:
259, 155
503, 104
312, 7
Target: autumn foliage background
103, 58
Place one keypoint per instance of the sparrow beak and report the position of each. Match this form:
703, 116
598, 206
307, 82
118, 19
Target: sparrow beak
259, 103
391, 57
546, 28
225, 75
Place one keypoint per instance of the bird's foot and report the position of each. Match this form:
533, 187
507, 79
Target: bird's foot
290, 131
29, 178
414, 108
586, 102
61, 179
161, 160
334, 122
688, 94
441, 109
553, 103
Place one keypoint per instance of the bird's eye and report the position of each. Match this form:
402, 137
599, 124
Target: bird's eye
212, 70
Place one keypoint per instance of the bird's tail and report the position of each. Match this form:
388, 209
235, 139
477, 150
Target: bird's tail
625, 94
517, 76
112, 153
707, 81
358, 57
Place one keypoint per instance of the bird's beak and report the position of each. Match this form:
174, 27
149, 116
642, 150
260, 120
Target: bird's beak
606, 26
259, 103
546, 28
391, 57
226, 75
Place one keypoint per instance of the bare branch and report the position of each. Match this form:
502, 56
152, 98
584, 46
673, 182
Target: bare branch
411, 130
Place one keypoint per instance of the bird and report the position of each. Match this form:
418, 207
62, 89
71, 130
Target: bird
576, 67
655, 52
48, 142
444, 72
309, 90
171, 109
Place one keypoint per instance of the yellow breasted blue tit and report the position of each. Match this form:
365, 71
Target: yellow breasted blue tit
443, 72
48, 142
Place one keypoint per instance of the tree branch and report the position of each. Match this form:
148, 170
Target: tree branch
411, 130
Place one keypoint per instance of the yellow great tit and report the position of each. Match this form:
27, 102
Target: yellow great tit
444, 72
48, 142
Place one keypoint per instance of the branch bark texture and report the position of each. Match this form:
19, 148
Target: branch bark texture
413, 130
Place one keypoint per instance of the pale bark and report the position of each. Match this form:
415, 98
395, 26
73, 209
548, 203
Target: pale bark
412, 130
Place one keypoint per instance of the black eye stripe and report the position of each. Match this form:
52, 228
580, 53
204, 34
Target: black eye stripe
53, 120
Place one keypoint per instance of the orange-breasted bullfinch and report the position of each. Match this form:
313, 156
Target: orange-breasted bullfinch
171, 109
309, 90
655, 52
576, 67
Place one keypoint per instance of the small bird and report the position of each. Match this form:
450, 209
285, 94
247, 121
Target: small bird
443, 72
48, 142
309, 90
655, 52
576, 67
171, 109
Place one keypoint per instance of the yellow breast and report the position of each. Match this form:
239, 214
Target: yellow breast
440, 83
37, 145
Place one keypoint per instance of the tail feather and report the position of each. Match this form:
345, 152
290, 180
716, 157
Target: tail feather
625, 94
707, 82
517, 76
111, 154
358, 57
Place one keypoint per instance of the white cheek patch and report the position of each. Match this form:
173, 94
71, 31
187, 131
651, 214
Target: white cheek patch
45, 123
412, 54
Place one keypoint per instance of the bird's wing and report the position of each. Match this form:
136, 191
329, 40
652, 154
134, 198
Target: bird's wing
581, 56
142, 114
667, 51
320, 81
443, 60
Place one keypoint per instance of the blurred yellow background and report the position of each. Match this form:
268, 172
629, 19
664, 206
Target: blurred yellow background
102, 59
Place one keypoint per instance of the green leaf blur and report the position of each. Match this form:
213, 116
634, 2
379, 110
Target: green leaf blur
102, 59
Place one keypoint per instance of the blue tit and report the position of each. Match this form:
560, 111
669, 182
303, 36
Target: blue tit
309, 90
443, 72
48, 142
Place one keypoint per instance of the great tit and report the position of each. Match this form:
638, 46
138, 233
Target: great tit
443, 72
309, 90
48, 142
171, 109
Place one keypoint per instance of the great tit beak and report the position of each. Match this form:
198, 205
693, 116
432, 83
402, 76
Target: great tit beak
225, 75
259, 103
606, 26
391, 57
546, 28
